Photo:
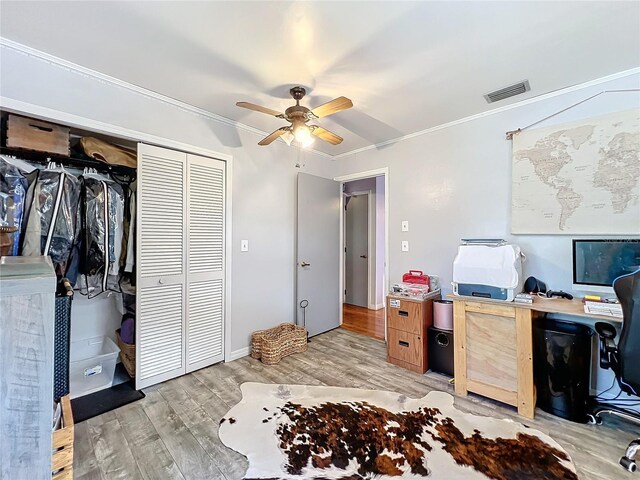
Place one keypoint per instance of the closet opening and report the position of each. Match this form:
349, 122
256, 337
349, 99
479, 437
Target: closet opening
69, 194
138, 233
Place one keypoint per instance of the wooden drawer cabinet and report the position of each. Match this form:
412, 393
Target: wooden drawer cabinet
407, 324
406, 347
406, 318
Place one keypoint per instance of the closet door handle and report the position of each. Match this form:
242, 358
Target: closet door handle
161, 281
403, 344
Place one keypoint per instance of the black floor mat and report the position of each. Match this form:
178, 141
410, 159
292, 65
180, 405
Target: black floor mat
95, 404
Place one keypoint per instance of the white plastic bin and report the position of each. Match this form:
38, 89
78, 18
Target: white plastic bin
92, 365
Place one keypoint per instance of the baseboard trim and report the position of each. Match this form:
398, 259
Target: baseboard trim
379, 306
236, 354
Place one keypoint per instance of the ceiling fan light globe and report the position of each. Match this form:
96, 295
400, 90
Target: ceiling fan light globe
302, 134
288, 137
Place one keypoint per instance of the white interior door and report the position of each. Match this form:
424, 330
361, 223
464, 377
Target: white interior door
206, 262
357, 250
318, 262
160, 264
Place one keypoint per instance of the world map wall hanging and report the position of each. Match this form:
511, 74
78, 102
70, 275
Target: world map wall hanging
578, 178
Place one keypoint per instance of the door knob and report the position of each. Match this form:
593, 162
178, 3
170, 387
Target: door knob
363, 256
305, 264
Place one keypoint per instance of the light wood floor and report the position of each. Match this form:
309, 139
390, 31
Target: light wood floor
363, 321
172, 433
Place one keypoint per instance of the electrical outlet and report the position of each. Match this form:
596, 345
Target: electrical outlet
405, 245
405, 226
244, 245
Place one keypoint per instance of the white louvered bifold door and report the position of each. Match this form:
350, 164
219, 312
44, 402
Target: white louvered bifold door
205, 262
160, 264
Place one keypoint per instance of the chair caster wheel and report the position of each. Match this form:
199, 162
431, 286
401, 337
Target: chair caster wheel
594, 419
628, 464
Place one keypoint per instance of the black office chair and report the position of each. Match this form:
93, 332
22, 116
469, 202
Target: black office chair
624, 358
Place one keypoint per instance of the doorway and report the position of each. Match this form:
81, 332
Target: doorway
320, 255
357, 245
364, 256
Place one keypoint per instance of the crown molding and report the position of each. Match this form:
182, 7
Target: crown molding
495, 111
87, 72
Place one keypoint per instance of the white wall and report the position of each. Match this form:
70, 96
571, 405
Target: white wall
263, 184
455, 183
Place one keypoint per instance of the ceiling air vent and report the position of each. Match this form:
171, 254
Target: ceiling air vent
510, 91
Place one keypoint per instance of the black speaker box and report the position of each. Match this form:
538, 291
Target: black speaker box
440, 348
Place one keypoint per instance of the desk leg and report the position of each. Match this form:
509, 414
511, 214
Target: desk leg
460, 348
524, 339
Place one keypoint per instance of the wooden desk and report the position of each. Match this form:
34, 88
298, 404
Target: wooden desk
493, 343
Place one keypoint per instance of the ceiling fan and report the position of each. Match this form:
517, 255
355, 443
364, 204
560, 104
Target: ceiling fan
299, 116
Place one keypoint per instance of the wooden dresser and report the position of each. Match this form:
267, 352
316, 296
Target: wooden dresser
407, 324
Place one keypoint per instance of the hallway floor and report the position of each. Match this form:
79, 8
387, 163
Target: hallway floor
363, 321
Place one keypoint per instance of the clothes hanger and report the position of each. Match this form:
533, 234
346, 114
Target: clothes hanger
19, 163
90, 172
54, 167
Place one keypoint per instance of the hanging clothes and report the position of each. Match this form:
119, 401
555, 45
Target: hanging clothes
13, 191
52, 223
102, 215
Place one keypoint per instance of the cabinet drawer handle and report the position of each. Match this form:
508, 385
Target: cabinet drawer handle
403, 313
403, 344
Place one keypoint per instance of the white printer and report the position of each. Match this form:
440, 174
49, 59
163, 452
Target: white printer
488, 269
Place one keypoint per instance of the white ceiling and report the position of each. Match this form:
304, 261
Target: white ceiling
407, 66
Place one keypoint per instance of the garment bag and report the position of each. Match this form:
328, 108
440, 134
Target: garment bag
102, 214
52, 222
13, 190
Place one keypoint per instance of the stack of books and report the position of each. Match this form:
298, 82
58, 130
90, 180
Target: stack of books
603, 307
523, 298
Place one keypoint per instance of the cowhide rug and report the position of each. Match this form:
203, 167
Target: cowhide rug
296, 432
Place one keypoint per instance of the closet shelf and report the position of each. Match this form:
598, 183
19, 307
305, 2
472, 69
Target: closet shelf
73, 161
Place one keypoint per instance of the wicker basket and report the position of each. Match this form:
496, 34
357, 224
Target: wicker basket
272, 345
127, 355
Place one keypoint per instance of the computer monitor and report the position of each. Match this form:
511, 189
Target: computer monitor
597, 263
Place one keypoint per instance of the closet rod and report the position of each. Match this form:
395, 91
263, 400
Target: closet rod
44, 158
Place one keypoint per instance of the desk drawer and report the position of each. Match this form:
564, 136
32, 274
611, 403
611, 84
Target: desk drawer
405, 346
407, 318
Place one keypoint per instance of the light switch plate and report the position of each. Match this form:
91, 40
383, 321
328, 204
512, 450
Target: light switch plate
244, 245
405, 245
405, 226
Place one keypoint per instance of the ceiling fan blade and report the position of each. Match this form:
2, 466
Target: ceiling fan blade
327, 136
258, 108
271, 137
334, 106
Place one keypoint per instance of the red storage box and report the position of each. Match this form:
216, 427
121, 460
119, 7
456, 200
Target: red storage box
416, 277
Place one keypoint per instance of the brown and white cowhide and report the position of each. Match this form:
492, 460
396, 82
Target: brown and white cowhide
296, 432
